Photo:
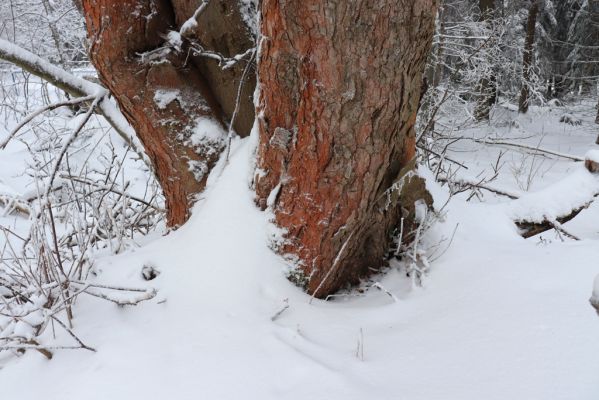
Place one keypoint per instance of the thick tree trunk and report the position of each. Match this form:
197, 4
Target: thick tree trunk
527, 58
487, 87
170, 101
339, 91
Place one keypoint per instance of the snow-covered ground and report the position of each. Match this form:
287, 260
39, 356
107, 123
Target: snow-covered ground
498, 316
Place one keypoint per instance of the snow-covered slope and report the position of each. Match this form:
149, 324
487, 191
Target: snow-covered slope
499, 317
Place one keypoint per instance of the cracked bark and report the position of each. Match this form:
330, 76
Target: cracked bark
119, 31
339, 90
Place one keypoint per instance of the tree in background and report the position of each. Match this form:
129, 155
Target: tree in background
527, 59
488, 85
53, 30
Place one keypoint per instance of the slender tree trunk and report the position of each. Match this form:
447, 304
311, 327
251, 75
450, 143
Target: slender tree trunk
54, 33
531, 24
164, 91
487, 90
434, 73
339, 90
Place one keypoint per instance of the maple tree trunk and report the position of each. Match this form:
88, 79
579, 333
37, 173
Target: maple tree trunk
165, 92
531, 24
339, 90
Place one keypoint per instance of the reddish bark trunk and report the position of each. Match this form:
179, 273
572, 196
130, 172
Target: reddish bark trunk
162, 94
339, 90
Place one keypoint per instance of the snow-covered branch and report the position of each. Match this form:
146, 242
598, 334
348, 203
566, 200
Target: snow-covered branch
192, 23
73, 85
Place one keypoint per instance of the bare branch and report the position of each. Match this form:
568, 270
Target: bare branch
73, 85
34, 114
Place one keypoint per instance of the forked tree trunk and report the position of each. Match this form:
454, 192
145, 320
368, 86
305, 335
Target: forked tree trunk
221, 29
339, 90
164, 91
527, 58
487, 87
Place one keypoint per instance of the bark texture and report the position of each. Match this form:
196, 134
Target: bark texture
339, 91
527, 58
221, 28
161, 93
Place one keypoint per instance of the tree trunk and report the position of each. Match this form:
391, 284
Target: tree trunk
527, 58
169, 100
434, 73
339, 90
487, 90
221, 28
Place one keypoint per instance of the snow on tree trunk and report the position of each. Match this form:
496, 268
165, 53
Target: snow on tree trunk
221, 28
161, 88
528, 56
434, 72
487, 87
339, 90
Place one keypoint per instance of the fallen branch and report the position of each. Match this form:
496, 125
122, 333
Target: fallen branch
465, 183
527, 147
440, 156
11, 204
147, 295
560, 229
529, 229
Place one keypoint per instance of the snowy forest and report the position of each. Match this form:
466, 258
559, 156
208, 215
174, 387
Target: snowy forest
317, 199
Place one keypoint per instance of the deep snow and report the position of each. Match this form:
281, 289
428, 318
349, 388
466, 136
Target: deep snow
499, 317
